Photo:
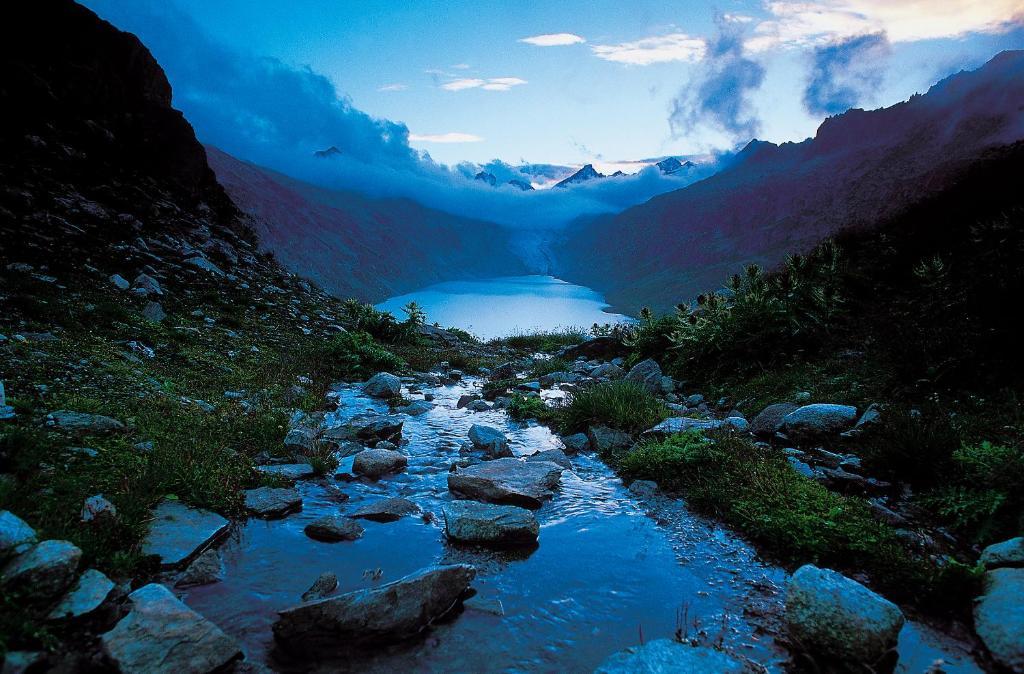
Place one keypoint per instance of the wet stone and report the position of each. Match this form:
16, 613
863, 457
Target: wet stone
507, 481
489, 524
269, 502
385, 510
179, 531
205, 569
325, 584
333, 528
91, 591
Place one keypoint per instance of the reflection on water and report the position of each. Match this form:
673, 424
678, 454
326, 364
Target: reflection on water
503, 306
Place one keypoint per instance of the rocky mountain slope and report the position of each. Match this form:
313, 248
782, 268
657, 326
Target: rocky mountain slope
861, 167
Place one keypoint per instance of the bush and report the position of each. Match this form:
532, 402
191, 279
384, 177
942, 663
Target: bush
353, 354
360, 317
542, 367
524, 407
911, 446
624, 405
543, 341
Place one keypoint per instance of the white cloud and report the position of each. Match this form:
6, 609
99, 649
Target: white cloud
661, 49
461, 66
451, 137
801, 24
553, 40
394, 87
459, 85
492, 84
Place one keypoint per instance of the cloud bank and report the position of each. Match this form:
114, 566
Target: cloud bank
660, 49
845, 72
553, 40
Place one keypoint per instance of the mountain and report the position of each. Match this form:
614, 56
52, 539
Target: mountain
672, 165
861, 167
332, 151
521, 184
354, 245
486, 177
584, 174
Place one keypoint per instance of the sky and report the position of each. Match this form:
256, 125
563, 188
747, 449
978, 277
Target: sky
568, 82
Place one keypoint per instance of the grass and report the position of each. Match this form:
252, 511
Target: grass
623, 405
547, 341
530, 407
545, 366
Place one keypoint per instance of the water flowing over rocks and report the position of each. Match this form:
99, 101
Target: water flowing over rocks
387, 614
667, 656
507, 481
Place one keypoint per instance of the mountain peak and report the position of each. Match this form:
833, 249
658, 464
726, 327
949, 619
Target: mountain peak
332, 151
588, 172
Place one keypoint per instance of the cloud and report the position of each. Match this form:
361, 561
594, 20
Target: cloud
450, 137
393, 87
718, 97
503, 83
802, 24
553, 40
845, 72
461, 66
459, 85
492, 84
661, 49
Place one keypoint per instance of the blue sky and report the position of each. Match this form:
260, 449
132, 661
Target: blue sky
394, 59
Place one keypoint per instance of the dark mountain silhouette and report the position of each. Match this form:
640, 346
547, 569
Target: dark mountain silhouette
486, 177
332, 151
861, 167
584, 174
672, 165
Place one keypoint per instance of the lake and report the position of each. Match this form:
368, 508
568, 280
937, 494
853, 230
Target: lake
499, 307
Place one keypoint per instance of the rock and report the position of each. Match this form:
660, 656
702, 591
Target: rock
120, 282
465, 399
416, 408
738, 424
301, 440
289, 471
371, 427
16, 536
769, 421
491, 605
608, 440
491, 440
205, 569
1007, 553
837, 617
503, 371
325, 584
91, 591
999, 617
439, 335
384, 444
820, 419
601, 348
24, 662
488, 524
202, 263
643, 488
147, 285
529, 386
80, 423
376, 463
381, 615
478, 406
42, 572
674, 425
507, 481
872, 416
694, 400
98, 509
549, 380
576, 443
383, 385
153, 312
553, 456
333, 528
160, 635
178, 532
608, 371
668, 656
386, 510
268, 502
647, 373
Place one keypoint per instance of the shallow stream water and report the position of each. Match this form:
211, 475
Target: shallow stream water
612, 569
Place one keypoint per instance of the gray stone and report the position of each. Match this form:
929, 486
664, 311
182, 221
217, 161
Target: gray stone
503, 371
872, 416
837, 617
205, 569
416, 408
369, 427
16, 535
154, 312
269, 502
300, 440
576, 443
738, 424
605, 440
478, 406
491, 440
465, 399
999, 617
325, 584
769, 421
119, 282
289, 471
382, 615
160, 635
1007, 553
147, 285
385, 510
553, 456
376, 463
98, 509
383, 385
608, 371
674, 425
819, 419
333, 528
694, 400
488, 524
80, 423
668, 656
202, 263
178, 532
91, 591
491, 605
550, 379
647, 373
507, 481
42, 572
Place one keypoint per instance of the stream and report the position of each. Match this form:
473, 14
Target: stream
612, 568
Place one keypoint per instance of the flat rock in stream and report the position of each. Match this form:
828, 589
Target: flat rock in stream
376, 463
386, 510
160, 635
489, 524
382, 615
507, 482
267, 502
179, 531
668, 656
289, 471
552, 455
333, 528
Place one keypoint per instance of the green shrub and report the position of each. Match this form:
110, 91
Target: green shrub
464, 335
498, 386
543, 341
360, 317
529, 407
542, 367
912, 446
353, 354
624, 405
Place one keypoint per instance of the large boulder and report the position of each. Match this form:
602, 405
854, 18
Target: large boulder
375, 616
608, 440
576, 443
333, 528
179, 532
489, 524
376, 463
598, 348
16, 535
838, 618
91, 592
491, 440
646, 373
385, 510
42, 572
999, 617
1007, 553
818, 420
383, 385
507, 481
769, 421
81, 423
668, 656
552, 455
162, 635
268, 502
370, 428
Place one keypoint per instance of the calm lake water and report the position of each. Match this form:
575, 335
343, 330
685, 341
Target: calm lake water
500, 307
